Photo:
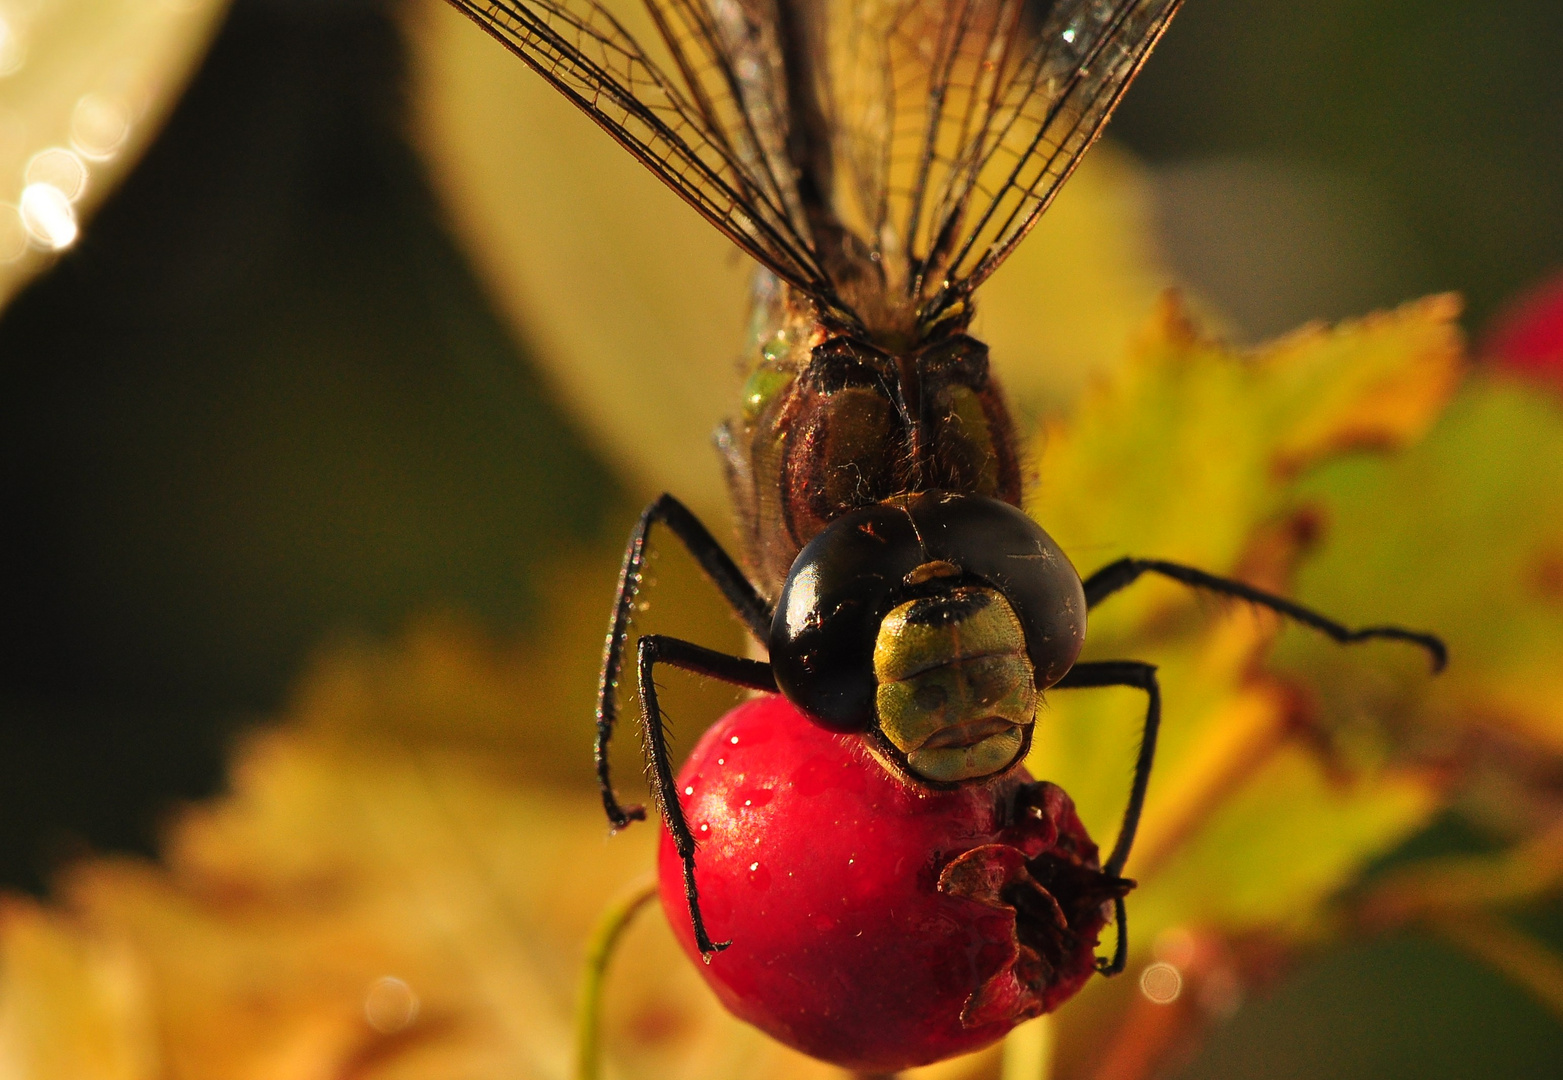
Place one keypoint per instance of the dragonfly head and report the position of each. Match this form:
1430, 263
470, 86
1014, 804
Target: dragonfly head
929, 624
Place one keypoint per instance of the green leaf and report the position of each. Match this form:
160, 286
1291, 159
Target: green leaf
1463, 535
1196, 453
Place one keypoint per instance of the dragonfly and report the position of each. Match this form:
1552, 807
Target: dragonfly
878, 160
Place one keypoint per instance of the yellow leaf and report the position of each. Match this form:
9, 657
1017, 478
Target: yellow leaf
1464, 534
1375, 384
416, 839
1182, 454
75, 1005
1283, 843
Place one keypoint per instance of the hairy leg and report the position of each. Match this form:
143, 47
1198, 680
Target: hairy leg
1123, 573
723, 572
1139, 676
656, 649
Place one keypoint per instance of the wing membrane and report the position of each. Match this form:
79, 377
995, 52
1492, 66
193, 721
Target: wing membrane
1051, 112
884, 156
960, 119
706, 119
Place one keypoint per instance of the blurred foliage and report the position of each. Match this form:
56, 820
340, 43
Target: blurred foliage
1194, 453
1480, 558
260, 403
1339, 755
394, 825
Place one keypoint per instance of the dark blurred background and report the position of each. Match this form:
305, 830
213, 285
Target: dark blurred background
1321, 159
260, 403
264, 402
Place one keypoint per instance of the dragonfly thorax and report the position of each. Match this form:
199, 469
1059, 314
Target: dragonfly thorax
832, 423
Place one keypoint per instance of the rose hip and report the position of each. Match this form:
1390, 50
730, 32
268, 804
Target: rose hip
875, 924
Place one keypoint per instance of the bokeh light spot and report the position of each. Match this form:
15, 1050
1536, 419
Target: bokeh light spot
390, 1005
48, 217
99, 126
1176, 946
13, 50
61, 169
1161, 983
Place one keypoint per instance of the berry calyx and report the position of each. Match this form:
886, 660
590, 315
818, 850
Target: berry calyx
876, 924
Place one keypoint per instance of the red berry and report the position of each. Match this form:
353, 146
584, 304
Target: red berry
1528, 336
874, 924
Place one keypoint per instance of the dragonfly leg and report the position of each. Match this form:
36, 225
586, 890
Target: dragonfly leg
1139, 676
1119, 575
719, 567
656, 649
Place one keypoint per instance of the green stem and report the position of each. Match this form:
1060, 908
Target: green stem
599, 950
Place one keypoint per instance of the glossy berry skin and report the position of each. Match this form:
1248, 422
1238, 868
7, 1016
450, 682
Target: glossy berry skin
873, 923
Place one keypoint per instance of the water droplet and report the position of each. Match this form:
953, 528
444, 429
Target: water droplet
750, 798
759, 877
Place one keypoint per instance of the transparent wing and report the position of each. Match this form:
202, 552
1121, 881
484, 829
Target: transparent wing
956, 121
882, 155
696, 92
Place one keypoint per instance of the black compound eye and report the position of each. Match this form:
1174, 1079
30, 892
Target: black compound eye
840, 587
849, 578
1002, 546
